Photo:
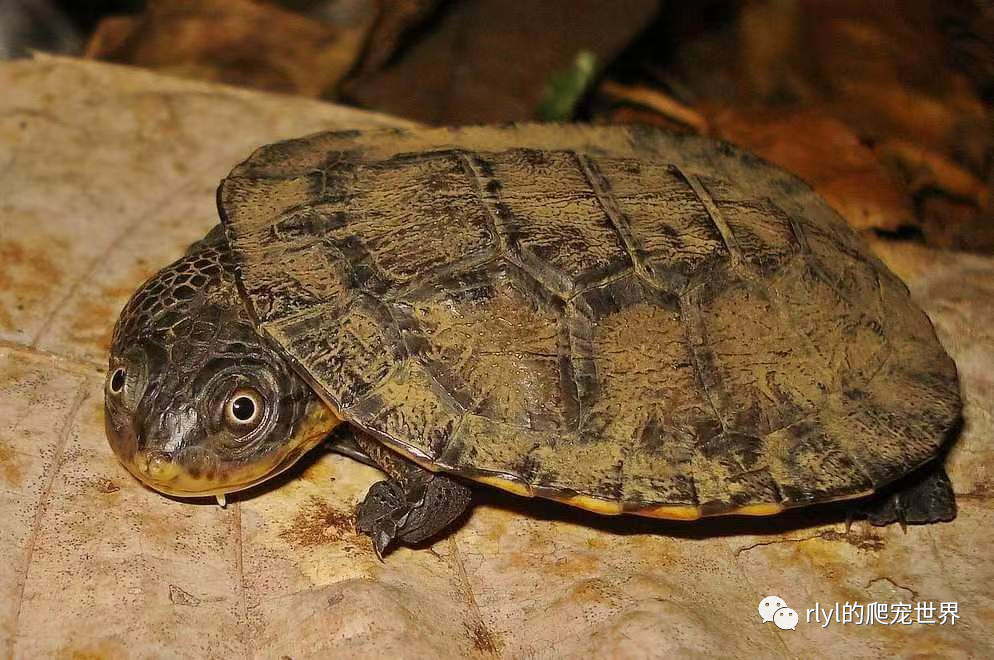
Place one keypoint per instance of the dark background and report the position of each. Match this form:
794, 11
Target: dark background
885, 107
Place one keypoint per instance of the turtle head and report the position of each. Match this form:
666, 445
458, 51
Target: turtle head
197, 401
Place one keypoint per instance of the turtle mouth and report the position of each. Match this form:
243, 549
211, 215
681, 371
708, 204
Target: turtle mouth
174, 478
200, 472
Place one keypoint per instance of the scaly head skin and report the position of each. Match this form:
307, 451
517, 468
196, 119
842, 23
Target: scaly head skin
198, 402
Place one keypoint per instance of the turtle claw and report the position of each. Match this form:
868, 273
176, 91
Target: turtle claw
381, 541
382, 513
390, 512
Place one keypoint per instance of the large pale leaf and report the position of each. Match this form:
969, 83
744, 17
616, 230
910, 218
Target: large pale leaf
106, 173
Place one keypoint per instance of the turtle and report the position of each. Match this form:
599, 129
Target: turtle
621, 319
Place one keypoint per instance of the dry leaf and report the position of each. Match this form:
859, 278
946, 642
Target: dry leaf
242, 42
663, 104
910, 81
490, 60
927, 170
824, 152
396, 18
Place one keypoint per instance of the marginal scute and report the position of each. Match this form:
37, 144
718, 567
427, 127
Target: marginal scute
410, 411
347, 352
810, 466
620, 319
299, 156
500, 456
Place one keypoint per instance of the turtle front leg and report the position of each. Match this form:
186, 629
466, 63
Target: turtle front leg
919, 499
411, 506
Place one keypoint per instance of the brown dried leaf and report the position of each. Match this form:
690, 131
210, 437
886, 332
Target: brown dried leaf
824, 152
906, 79
952, 224
663, 104
885, 89
489, 60
626, 114
927, 170
242, 42
395, 20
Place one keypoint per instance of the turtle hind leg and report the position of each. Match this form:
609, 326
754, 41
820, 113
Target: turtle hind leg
410, 507
923, 497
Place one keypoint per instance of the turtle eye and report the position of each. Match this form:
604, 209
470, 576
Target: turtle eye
117, 381
243, 410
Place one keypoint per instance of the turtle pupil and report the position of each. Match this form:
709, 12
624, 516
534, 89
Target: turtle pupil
243, 408
117, 381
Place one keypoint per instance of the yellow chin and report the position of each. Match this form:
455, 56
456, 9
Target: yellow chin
173, 479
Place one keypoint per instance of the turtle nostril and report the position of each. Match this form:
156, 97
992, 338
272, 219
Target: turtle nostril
157, 466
